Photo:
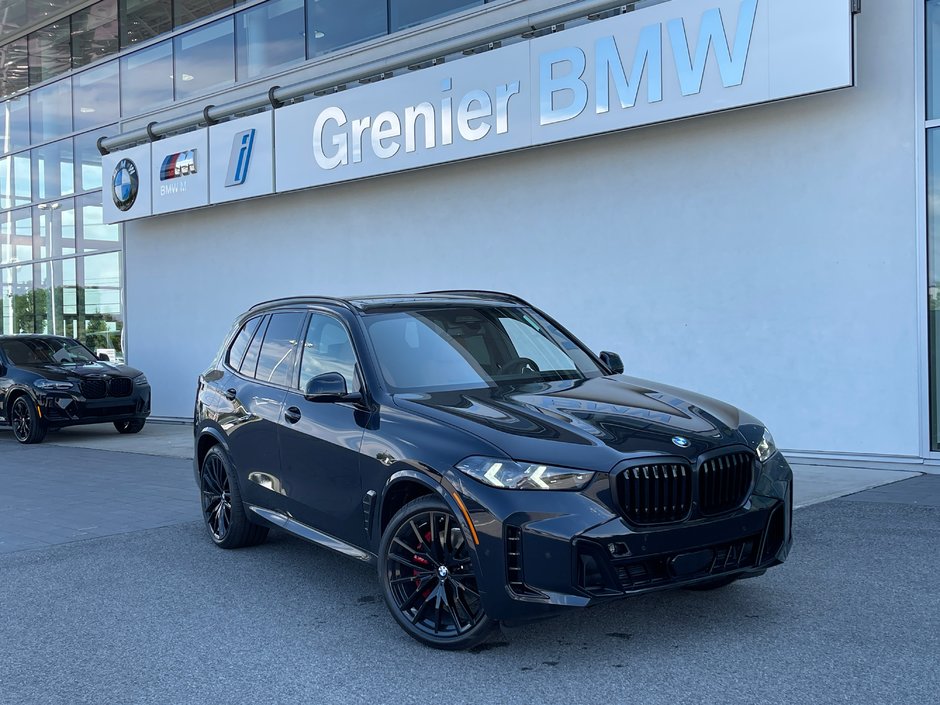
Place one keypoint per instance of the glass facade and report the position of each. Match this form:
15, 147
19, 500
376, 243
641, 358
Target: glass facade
933, 215
66, 79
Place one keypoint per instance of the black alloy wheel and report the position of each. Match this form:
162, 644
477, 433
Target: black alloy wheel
428, 578
222, 507
28, 426
130, 425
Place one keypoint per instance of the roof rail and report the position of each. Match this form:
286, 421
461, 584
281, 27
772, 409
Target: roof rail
481, 292
303, 300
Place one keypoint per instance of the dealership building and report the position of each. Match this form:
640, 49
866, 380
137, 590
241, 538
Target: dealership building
738, 196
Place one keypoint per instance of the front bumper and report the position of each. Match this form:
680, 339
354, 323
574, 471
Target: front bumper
67, 409
571, 550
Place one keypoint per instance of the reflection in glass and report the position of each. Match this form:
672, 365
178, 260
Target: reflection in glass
408, 13
44, 311
53, 170
54, 229
17, 299
94, 33
933, 59
15, 183
14, 124
205, 59
95, 96
185, 11
146, 79
144, 19
269, 37
95, 234
50, 111
13, 18
334, 24
41, 9
88, 158
101, 282
14, 66
49, 51
933, 280
16, 236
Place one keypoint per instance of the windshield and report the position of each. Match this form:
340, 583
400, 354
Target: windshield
466, 347
46, 351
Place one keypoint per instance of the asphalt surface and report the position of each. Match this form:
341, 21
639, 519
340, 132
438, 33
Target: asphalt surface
160, 615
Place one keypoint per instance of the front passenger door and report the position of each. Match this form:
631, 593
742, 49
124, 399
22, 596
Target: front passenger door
320, 441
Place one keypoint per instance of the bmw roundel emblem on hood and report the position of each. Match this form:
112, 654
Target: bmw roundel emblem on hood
680, 441
124, 184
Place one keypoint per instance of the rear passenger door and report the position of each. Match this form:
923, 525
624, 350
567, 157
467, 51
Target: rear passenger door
259, 382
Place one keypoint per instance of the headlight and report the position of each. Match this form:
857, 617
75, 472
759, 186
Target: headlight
51, 385
141, 380
766, 447
499, 472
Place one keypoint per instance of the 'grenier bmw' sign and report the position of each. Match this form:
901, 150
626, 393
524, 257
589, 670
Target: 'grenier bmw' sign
670, 61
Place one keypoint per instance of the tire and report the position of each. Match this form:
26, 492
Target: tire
715, 584
428, 579
222, 508
28, 426
130, 426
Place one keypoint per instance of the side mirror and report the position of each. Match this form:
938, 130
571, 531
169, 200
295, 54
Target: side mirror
103, 357
613, 361
329, 387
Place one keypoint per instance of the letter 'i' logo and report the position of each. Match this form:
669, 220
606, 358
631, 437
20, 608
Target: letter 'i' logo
240, 158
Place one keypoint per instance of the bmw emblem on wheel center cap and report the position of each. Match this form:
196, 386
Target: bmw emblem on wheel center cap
125, 183
680, 441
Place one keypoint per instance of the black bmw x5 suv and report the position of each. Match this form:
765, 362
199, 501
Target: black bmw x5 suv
488, 463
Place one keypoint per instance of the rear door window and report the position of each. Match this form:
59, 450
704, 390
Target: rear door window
281, 341
237, 350
250, 362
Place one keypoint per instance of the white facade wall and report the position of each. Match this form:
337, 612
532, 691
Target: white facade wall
767, 257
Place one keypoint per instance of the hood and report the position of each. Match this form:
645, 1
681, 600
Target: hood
72, 373
591, 424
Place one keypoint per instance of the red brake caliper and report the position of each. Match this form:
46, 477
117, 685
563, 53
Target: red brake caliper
422, 561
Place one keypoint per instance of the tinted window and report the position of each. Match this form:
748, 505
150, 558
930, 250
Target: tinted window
240, 344
269, 37
49, 51
94, 33
49, 351
185, 11
254, 348
95, 96
50, 111
205, 59
14, 66
276, 362
327, 348
146, 79
143, 19
407, 13
14, 124
334, 24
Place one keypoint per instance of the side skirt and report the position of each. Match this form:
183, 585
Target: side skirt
300, 529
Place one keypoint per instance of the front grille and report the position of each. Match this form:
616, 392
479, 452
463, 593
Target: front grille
94, 388
655, 494
98, 411
725, 482
120, 387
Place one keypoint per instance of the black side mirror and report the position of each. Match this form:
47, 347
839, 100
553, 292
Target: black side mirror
329, 387
103, 357
613, 362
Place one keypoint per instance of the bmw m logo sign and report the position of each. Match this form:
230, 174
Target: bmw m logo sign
125, 182
177, 165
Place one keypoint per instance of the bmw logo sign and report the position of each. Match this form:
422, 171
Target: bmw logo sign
124, 184
680, 441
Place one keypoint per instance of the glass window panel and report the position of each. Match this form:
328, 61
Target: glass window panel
94, 33
334, 24
933, 280
66, 299
101, 314
50, 111
53, 170
408, 13
269, 37
240, 345
19, 306
327, 348
13, 18
14, 124
205, 59
14, 66
88, 158
41, 9
95, 234
95, 96
54, 229
185, 11
250, 362
147, 79
276, 362
43, 312
144, 19
15, 185
933, 59
49, 51
16, 236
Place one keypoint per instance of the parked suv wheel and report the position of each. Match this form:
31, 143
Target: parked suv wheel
28, 427
130, 426
428, 578
222, 506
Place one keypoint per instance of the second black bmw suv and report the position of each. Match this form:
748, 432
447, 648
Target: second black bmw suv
489, 464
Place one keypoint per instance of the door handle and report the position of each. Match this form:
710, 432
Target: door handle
292, 414
230, 394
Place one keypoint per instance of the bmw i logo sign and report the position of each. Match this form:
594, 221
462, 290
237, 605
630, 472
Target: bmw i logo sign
124, 184
680, 441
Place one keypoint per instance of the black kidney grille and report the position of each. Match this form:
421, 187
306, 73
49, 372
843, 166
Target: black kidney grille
94, 388
120, 387
725, 482
654, 494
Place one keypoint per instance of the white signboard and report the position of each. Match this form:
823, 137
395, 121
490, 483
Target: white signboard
666, 62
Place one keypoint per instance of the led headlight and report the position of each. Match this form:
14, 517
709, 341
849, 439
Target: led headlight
140, 380
49, 385
501, 472
766, 447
